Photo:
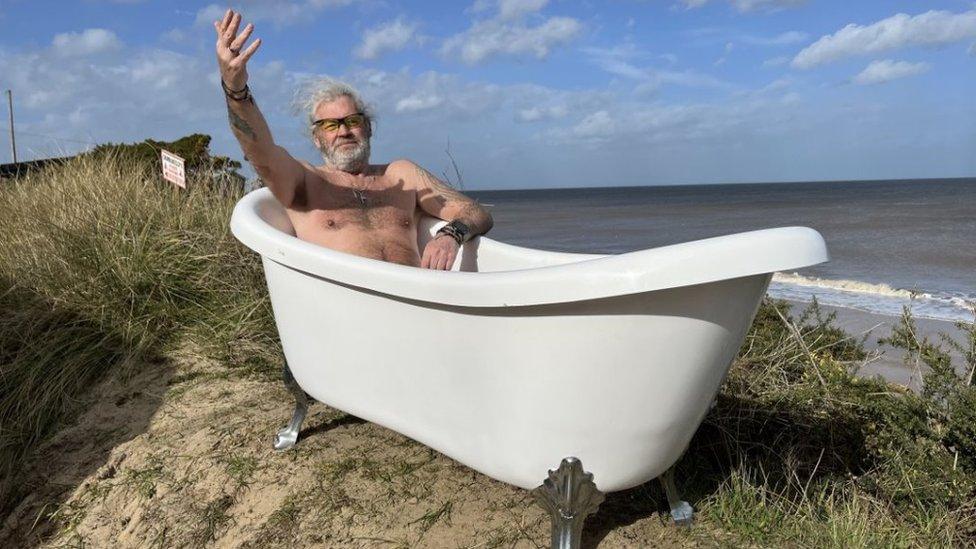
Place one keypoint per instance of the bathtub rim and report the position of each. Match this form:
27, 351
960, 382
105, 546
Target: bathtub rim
582, 277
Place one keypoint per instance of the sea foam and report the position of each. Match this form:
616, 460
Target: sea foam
873, 297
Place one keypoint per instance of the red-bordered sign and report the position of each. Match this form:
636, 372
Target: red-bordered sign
173, 169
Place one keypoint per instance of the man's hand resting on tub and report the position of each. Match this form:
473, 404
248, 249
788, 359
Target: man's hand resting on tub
440, 253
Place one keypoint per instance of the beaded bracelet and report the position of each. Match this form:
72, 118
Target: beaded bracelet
237, 95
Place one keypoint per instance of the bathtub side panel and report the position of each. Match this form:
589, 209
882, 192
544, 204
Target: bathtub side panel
621, 383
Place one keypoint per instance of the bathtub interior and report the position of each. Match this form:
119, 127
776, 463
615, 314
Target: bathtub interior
478, 255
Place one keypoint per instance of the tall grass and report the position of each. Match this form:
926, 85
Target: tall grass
105, 269
798, 450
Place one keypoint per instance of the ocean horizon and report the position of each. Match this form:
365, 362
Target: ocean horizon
891, 242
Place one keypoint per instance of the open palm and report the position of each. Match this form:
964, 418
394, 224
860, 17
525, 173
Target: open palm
233, 61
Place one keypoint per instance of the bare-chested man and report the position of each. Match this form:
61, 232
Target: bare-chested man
346, 204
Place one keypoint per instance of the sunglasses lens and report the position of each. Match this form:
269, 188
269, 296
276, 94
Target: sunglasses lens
354, 120
332, 124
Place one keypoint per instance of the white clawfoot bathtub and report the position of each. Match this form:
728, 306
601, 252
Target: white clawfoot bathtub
521, 357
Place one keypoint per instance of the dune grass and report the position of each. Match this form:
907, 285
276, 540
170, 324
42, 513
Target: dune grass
105, 269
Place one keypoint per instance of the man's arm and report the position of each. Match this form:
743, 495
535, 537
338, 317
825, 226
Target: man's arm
284, 175
440, 200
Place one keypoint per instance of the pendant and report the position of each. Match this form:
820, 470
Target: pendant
361, 196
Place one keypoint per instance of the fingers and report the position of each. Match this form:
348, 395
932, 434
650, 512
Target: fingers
448, 261
246, 54
225, 20
433, 257
438, 257
234, 23
221, 26
226, 29
242, 38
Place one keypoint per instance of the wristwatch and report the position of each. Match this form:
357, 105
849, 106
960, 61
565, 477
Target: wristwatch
456, 230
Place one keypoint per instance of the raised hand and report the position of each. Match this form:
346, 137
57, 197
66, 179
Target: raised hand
230, 58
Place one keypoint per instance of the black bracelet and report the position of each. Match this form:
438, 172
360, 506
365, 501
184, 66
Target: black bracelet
456, 230
242, 94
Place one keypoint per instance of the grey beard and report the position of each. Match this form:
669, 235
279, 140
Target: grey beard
348, 161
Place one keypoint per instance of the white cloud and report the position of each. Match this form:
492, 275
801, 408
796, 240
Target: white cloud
670, 58
766, 5
87, 42
776, 85
279, 12
508, 34
174, 35
782, 39
391, 36
489, 38
729, 46
210, 13
515, 9
418, 102
750, 5
879, 72
401, 92
535, 114
620, 61
898, 31
776, 61
617, 61
597, 124
661, 123
124, 96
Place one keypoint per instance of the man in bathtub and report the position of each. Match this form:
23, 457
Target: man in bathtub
346, 204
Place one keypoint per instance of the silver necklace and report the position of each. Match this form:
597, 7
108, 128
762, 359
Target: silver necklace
361, 195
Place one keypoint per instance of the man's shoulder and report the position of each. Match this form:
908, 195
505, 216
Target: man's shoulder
401, 166
308, 166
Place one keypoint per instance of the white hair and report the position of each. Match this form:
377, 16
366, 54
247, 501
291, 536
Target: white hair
318, 90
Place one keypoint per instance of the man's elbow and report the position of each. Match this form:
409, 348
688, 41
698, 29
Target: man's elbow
488, 222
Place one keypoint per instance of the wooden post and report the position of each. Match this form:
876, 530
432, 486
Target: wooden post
10, 106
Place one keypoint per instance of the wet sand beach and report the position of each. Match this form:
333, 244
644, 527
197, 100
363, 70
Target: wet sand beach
889, 362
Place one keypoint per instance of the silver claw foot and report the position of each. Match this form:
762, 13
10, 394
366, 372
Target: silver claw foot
570, 496
287, 437
681, 511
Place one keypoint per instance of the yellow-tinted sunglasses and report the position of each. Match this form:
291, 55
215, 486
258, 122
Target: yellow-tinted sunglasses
351, 121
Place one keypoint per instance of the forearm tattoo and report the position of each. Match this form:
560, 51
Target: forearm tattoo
240, 124
443, 194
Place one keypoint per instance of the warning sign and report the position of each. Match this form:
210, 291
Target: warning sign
173, 169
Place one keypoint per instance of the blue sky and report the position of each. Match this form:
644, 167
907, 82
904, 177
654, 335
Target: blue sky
529, 93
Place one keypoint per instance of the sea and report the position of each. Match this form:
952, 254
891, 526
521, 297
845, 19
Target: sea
891, 243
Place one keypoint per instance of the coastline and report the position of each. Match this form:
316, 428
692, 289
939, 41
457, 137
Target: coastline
884, 360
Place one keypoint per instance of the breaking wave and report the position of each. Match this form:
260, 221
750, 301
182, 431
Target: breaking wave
877, 298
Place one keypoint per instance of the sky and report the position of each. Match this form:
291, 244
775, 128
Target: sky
527, 93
